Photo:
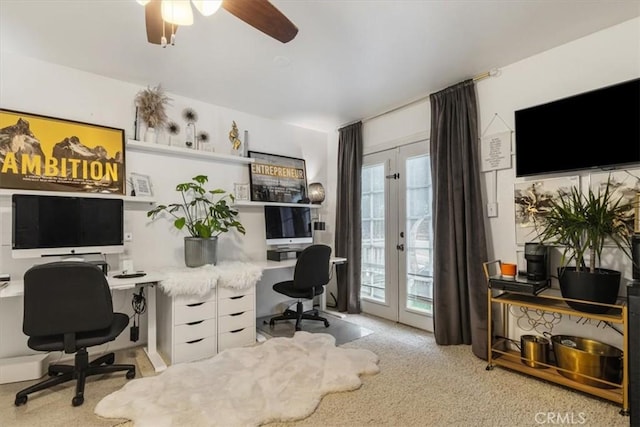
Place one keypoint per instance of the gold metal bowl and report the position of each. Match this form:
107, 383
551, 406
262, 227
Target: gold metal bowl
588, 357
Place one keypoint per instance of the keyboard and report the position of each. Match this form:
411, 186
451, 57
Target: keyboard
129, 275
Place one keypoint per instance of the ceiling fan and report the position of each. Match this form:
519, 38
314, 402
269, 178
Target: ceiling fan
163, 17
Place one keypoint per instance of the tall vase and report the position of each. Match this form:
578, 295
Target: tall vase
150, 135
190, 133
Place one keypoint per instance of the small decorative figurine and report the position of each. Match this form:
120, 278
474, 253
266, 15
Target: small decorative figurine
233, 137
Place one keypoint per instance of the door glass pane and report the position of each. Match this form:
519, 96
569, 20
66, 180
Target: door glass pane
373, 229
419, 245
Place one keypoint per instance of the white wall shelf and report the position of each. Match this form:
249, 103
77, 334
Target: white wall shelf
148, 147
5, 192
249, 204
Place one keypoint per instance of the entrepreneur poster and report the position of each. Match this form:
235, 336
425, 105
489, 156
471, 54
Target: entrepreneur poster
277, 178
47, 153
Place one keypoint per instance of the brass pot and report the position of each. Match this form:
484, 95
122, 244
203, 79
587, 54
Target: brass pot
588, 357
534, 350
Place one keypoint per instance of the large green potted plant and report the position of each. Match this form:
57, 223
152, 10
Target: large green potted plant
581, 224
205, 214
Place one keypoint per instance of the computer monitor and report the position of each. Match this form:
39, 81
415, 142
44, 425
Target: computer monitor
287, 225
54, 225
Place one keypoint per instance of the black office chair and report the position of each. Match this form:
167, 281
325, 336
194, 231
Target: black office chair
68, 307
310, 275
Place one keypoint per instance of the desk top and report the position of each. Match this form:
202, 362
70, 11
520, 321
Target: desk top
15, 288
287, 263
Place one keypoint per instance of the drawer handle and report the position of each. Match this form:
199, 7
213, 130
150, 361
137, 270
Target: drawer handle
195, 323
237, 314
194, 341
237, 330
195, 304
238, 297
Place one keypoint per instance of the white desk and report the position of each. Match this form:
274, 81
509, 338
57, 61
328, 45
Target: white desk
16, 289
291, 263
273, 265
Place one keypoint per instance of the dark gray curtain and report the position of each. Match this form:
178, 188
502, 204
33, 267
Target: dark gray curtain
459, 286
348, 228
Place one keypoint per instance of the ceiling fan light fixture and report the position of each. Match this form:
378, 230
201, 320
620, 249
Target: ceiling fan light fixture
143, 2
207, 7
177, 12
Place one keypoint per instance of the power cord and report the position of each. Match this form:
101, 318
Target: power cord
335, 301
139, 304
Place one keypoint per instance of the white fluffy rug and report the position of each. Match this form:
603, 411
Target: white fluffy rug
280, 379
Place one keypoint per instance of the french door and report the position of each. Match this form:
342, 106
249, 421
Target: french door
397, 249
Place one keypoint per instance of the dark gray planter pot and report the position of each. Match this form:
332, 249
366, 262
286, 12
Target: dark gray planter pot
199, 251
602, 286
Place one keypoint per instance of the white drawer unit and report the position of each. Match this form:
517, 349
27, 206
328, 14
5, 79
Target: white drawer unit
236, 318
187, 327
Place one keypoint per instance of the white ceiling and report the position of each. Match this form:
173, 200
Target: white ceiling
351, 59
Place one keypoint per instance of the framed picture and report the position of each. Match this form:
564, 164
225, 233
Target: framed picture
141, 184
241, 191
47, 153
532, 200
625, 188
276, 178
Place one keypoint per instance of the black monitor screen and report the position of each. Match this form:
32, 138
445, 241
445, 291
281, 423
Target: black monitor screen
62, 222
285, 222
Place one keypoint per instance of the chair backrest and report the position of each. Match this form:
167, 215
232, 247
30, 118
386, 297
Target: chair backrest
312, 267
65, 297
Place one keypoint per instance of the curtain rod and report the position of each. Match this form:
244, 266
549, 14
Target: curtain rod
491, 73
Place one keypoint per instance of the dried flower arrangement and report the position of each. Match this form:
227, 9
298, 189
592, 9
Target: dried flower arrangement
173, 128
151, 104
189, 115
203, 136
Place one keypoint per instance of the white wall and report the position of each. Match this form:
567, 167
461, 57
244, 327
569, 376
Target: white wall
43, 88
600, 59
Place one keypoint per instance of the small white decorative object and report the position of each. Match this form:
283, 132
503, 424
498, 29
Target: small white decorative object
141, 185
241, 191
191, 117
190, 135
150, 135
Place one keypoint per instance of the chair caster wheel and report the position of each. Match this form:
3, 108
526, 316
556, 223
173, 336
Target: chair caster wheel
20, 400
131, 374
326, 323
77, 401
110, 359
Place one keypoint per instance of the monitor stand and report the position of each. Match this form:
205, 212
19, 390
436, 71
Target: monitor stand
283, 253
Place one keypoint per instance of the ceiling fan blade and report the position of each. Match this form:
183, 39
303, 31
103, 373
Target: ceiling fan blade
263, 16
154, 22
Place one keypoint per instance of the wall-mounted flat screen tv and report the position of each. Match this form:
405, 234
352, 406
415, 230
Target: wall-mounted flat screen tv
599, 129
53, 225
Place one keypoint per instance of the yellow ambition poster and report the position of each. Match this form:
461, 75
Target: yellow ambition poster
47, 153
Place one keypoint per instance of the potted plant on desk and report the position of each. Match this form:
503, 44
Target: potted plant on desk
204, 217
582, 224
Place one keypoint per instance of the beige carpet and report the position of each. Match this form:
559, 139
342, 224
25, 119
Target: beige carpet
419, 384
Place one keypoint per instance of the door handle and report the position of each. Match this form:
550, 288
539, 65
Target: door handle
400, 247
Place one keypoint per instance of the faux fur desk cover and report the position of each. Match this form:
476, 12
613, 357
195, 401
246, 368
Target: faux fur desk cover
199, 281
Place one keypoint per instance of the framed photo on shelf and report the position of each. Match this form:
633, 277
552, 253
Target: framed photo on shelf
141, 185
275, 178
49, 160
241, 191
